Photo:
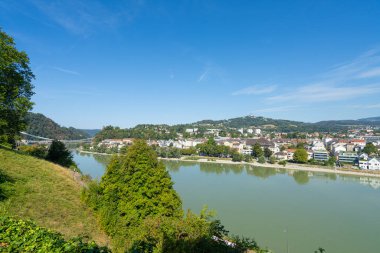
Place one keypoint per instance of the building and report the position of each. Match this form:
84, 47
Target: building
370, 164
348, 157
321, 155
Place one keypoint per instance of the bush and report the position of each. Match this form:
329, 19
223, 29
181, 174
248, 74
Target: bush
272, 160
236, 157
261, 159
283, 162
58, 153
26, 236
39, 151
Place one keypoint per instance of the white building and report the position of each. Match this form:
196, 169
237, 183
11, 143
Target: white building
371, 164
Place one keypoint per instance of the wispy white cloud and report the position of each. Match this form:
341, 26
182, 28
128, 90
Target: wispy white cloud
256, 90
67, 71
203, 75
323, 92
81, 18
372, 106
354, 79
375, 72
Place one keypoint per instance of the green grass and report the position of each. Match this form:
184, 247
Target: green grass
32, 188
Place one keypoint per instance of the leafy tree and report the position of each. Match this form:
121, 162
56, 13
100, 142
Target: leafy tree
300, 156
283, 162
16, 89
257, 151
267, 152
272, 160
58, 153
370, 149
236, 157
247, 158
261, 159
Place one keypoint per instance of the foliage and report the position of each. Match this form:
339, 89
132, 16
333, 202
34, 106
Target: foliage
211, 148
189, 151
370, 149
59, 154
168, 152
272, 160
300, 156
267, 152
331, 161
247, 158
39, 151
261, 159
257, 151
40, 125
236, 157
283, 162
26, 236
16, 89
133, 188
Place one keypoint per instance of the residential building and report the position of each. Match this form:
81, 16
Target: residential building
348, 157
321, 155
370, 164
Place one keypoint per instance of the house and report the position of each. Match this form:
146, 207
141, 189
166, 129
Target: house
370, 164
348, 157
290, 153
321, 155
281, 155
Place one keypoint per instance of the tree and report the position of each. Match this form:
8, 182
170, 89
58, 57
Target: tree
267, 152
16, 89
300, 156
134, 187
272, 160
58, 153
257, 151
236, 157
370, 149
261, 159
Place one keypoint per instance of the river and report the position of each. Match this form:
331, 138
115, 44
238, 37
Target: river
279, 208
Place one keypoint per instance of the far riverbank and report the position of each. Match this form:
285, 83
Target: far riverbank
288, 166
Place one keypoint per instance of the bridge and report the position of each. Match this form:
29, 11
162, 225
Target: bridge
43, 140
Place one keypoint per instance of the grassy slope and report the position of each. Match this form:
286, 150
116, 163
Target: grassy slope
47, 194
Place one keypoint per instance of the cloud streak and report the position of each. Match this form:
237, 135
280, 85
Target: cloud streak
323, 93
255, 90
66, 71
203, 75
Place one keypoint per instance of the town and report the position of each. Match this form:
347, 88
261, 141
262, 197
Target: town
355, 149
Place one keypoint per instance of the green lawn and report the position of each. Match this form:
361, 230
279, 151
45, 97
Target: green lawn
46, 193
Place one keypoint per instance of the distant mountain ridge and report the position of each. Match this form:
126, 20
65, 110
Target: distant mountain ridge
40, 125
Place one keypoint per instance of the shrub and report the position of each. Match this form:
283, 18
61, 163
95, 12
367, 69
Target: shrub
261, 159
39, 151
26, 236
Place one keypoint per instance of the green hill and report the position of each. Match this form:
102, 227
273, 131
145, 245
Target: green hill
48, 194
40, 125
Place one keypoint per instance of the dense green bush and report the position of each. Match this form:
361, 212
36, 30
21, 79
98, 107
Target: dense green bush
39, 151
26, 236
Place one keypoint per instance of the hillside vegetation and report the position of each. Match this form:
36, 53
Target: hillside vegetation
40, 125
49, 194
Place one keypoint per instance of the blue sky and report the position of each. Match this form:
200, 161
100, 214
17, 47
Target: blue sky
129, 62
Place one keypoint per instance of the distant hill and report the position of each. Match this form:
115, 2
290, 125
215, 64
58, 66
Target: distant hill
372, 119
40, 125
90, 132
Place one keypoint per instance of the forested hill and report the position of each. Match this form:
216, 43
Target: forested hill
230, 126
40, 125
289, 125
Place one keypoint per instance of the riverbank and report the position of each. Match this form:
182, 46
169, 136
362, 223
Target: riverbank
288, 166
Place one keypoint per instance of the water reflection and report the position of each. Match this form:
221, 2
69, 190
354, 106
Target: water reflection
300, 177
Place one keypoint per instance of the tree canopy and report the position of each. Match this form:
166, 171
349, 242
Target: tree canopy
300, 156
58, 153
16, 89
